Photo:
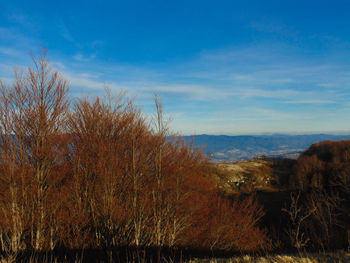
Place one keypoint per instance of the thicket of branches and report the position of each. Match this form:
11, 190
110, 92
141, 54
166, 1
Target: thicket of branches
97, 174
320, 210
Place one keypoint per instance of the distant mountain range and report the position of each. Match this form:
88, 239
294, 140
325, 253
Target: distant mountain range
235, 148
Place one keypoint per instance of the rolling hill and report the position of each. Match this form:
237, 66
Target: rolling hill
235, 148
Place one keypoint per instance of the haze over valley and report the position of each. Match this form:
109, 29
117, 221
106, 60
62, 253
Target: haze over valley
234, 148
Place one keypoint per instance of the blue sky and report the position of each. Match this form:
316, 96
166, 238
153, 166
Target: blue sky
220, 67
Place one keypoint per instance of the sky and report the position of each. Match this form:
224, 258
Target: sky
219, 67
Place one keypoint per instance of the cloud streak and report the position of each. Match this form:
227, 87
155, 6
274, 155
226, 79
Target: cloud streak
263, 85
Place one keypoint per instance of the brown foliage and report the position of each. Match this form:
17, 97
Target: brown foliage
101, 175
233, 225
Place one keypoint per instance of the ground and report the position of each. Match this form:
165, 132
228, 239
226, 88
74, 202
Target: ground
336, 257
258, 174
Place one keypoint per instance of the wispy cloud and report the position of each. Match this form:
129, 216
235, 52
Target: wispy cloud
257, 88
66, 34
9, 52
311, 101
25, 22
12, 37
80, 57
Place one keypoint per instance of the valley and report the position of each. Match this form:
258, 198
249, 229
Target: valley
225, 148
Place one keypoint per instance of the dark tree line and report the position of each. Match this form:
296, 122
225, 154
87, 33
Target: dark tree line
322, 175
317, 210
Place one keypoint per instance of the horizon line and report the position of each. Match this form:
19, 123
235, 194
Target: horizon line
333, 133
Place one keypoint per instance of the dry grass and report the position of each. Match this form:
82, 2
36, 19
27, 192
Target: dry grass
338, 257
244, 176
335, 257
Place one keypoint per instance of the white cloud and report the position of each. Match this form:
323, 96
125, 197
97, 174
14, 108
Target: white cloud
10, 52
81, 58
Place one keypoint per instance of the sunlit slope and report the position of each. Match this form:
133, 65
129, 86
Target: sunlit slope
264, 174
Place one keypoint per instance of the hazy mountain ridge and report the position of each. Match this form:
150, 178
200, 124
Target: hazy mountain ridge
243, 147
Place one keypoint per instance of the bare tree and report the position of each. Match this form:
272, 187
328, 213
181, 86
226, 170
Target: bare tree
298, 214
13, 164
45, 121
32, 126
158, 198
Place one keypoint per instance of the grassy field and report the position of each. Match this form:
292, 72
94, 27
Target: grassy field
336, 257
